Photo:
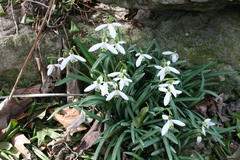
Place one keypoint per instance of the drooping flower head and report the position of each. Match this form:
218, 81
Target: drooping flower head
141, 57
169, 90
170, 123
110, 27
166, 70
173, 55
71, 58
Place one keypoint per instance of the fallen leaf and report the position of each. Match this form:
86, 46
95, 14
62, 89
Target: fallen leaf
69, 118
18, 142
30, 90
89, 138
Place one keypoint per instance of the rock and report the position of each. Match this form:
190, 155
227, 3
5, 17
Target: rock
15, 47
196, 5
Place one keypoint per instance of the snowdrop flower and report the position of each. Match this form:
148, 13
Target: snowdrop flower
116, 92
51, 68
121, 77
206, 124
110, 27
71, 58
96, 85
103, 45
141, 57
170, 90
170, 123
164, 70
173, 55
119, 47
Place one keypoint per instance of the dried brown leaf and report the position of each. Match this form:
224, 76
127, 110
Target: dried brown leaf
19, 141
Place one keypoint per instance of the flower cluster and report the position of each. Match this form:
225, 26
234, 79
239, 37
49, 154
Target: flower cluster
111, 88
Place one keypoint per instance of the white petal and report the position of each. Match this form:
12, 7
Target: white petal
80, 58
50, 69
139, 61
173, 70
165, 117
168, 63
167, 99
117, 24
177, 122
114, 74
167, 53
104, 89
173, 90
175, 82
101, 27
121, 42
199, 139
95, 47
112, 31
207, 120
203, 131
158, 67
60, 59
111, 95
91, 87
175, 57
211, 124
123, 95
120, 49
162, 73
111, 48
166, 128
147, 56
65, 62
161, 89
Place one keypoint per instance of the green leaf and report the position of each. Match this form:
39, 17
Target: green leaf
134, 155
83, 48
5, 145
74, 28
167, 147
137, 121
39, 153
52, 133
117, 147
2, 12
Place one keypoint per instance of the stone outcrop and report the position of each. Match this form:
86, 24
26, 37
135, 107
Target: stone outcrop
190, 5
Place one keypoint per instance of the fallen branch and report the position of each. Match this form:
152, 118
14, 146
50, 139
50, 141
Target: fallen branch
43, 95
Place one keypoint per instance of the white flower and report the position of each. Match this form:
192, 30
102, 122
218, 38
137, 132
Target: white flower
174, 55
121, 77
96, 84
170, 90
164, 70
170, 123
51, 68
117, 93
110, 27
119, 47
206, 124
72, 58
141, 57
103, 45
199, 139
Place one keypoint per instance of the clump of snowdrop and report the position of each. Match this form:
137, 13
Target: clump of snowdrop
141, 57
170, 123
169, 90
166, 69
173, 55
